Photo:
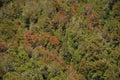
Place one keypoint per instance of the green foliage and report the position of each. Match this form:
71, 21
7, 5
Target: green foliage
116, 9
7, 29
12, 76
59, 40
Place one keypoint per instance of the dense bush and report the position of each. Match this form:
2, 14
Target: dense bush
59, 40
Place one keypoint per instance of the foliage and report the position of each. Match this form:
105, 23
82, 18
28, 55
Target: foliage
59, 40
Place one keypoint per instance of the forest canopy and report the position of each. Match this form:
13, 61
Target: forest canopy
59, 40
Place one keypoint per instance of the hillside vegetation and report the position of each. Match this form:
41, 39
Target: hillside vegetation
59, 39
